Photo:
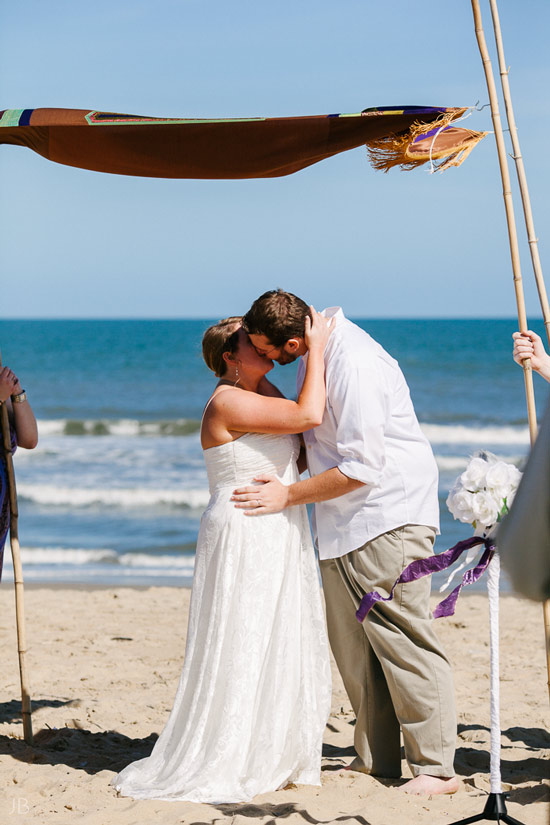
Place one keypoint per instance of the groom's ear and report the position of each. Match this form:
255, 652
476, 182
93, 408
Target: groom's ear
292, 345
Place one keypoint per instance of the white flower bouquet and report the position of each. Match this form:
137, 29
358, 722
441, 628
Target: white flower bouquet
482, 495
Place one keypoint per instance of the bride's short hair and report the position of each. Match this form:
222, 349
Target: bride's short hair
219, 338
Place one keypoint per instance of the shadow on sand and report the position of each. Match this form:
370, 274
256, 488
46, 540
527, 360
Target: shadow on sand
81, 750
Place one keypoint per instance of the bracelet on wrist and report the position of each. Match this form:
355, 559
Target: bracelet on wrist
19, 398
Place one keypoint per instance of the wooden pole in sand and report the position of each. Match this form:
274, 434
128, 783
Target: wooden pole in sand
529, 223
514, 249
18, 574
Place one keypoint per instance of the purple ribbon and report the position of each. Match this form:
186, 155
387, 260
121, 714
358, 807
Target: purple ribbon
425, 567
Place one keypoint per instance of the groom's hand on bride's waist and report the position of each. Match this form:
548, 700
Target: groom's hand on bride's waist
270, 497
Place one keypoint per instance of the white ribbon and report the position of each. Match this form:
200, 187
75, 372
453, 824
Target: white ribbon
485, 532
466, 115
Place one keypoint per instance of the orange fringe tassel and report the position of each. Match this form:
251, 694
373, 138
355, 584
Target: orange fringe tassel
450, 146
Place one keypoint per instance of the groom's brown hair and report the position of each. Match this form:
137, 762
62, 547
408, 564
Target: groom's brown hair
278, 315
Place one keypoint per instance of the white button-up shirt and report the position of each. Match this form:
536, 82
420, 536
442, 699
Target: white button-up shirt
371, 433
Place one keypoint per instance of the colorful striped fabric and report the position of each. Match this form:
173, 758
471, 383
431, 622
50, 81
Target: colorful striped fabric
236, 148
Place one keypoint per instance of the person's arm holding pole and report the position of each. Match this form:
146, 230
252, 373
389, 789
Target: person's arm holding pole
529, 345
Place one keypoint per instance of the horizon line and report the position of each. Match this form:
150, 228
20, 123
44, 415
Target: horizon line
76, 318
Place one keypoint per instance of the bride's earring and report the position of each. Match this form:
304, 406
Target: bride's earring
236, 376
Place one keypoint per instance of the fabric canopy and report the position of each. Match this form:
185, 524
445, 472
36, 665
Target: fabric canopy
242, 148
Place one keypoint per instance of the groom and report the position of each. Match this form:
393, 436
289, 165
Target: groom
374, 484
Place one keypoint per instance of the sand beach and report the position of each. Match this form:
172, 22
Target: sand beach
104, 665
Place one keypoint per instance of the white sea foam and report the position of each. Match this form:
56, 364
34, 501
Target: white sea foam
82, 557
457, 463
132, 497
451, 463
185, 563
65, 555
125, 576
482, 436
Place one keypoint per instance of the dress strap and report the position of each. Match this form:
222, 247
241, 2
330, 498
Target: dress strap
206, 407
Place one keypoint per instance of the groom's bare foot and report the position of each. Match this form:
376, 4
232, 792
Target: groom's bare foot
426, 785
356, 765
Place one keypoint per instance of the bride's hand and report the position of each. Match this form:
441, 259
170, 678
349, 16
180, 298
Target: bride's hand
317, 330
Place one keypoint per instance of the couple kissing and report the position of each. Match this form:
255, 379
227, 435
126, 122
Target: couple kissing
255, 690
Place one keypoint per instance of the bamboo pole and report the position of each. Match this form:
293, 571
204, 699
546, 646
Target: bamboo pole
514, 250
529, 223
18, 574
520, 169
509, 207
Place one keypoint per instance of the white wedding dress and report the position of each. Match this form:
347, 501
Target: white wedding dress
254, 694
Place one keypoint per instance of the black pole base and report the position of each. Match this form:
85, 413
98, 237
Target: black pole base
494, 811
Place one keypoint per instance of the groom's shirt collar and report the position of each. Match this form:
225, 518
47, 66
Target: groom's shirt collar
334, 312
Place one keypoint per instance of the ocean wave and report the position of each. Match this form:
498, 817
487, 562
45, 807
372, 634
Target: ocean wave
480, 436
436, 433
117, 427
54, 495
185, 563
451, 463
456, 463
117, 577
82, 557
65, 555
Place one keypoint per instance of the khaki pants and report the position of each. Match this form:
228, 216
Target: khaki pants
393, 666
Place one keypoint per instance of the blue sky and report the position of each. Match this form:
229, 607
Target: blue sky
82, 244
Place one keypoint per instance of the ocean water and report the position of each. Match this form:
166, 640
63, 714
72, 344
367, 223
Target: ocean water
114, 492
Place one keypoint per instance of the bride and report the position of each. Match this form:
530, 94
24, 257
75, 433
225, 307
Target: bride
254, 693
